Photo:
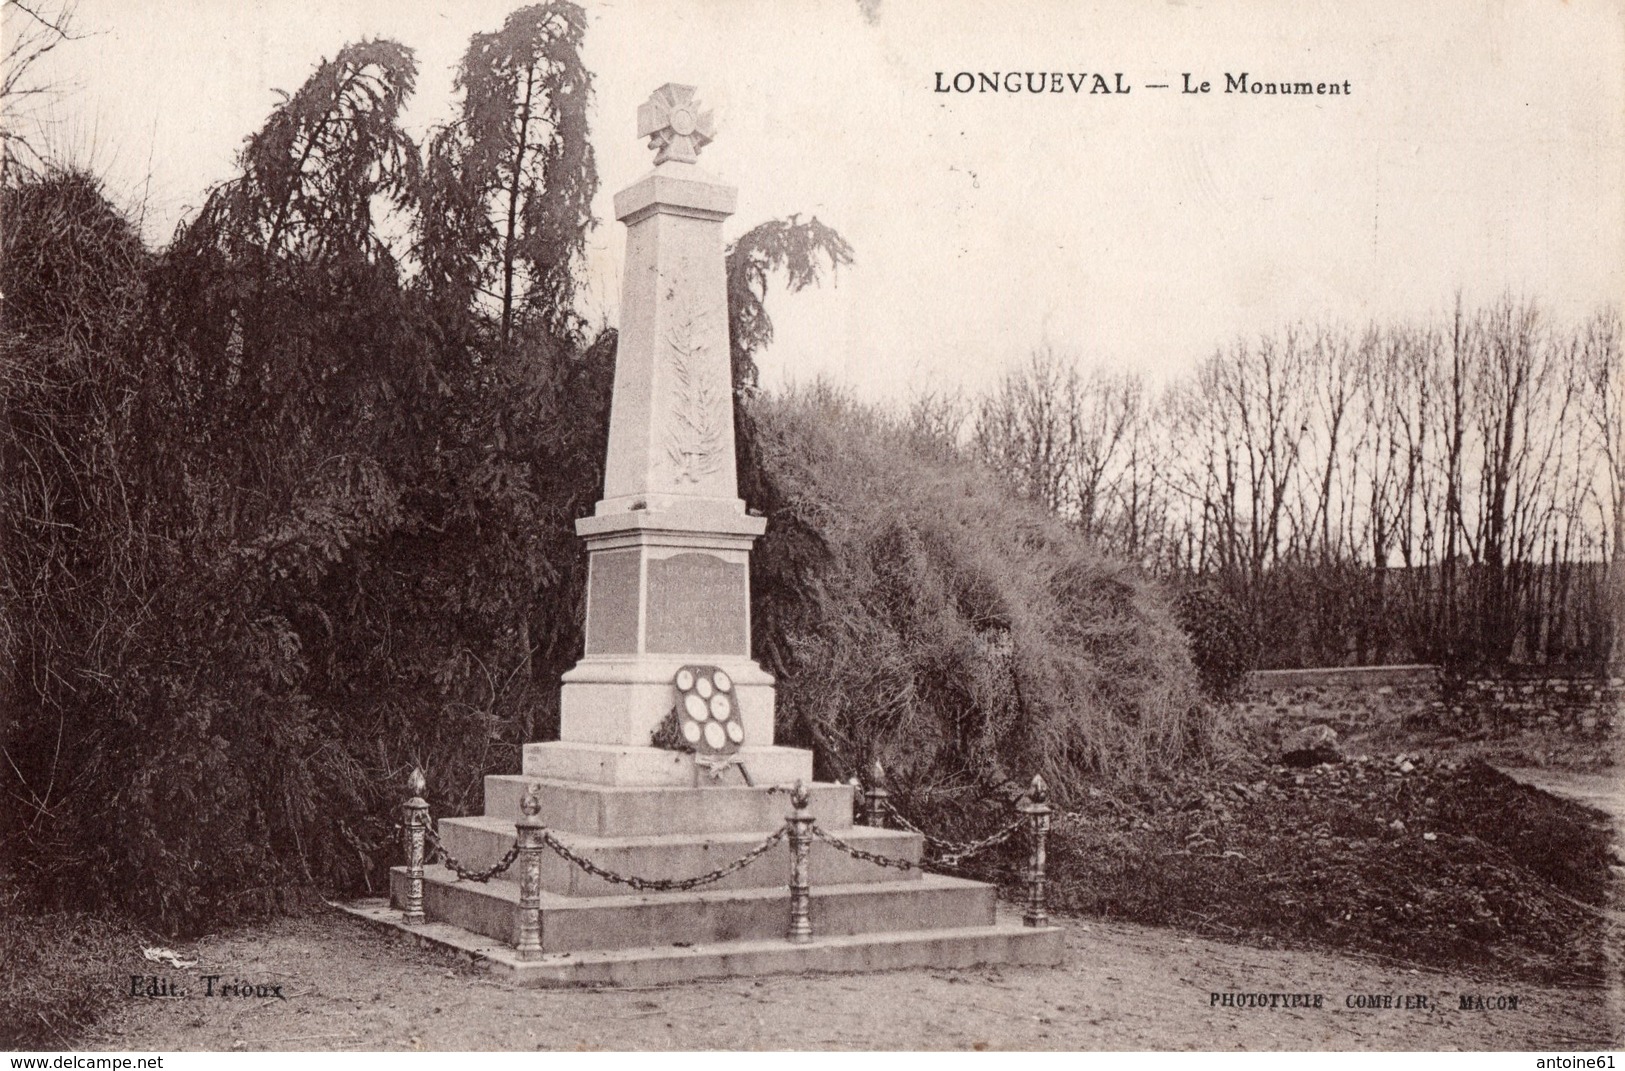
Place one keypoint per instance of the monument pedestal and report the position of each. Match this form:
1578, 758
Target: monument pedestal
668, 596
621, 766
666, 588
594, 932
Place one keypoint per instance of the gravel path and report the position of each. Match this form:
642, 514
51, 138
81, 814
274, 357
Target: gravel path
1602, 791
346, 986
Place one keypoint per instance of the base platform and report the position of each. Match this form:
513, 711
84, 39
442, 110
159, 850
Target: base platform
1005, 941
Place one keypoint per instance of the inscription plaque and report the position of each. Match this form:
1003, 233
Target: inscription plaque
698, 604
612, 603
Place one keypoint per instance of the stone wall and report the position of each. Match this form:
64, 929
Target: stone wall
1567, 699
1580, 701
1350, 700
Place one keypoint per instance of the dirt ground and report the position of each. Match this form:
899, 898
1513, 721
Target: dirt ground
347, 986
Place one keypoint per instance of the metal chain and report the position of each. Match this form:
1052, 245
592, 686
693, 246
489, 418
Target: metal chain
951, 852
859, 853
905, 823
951, 858
438, 852
957, 852
665, 884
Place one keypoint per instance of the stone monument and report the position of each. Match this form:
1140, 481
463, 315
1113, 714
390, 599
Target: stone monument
669, 543
640, 861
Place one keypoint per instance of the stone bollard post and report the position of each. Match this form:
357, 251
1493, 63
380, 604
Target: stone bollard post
415, 825
1037, 811
801, 821
857, 798
528, 839
876, 800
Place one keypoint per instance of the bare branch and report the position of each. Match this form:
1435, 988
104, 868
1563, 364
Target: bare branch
61, 25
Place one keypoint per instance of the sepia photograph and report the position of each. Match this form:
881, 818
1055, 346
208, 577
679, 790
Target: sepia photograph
718, 526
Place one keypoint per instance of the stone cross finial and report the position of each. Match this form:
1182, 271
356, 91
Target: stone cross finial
675, 124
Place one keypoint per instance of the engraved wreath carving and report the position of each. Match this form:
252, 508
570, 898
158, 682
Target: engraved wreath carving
698, 426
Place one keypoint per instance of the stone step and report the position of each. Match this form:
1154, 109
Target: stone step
613, 811
580, 923
480, 842
1005, 942
625, 764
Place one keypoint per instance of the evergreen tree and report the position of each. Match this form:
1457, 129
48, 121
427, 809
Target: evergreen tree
508, 186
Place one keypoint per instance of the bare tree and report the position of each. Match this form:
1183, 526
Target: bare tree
1435, 491
1600, 399
936, 418
1026, 429
33, 29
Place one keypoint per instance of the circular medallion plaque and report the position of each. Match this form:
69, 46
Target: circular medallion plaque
710, 721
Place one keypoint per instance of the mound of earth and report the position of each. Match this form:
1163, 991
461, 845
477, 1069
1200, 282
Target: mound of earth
1443, 863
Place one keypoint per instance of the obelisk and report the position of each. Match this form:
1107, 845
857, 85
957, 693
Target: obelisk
669, 543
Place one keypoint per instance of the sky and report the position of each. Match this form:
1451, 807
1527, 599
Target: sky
1481, 149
